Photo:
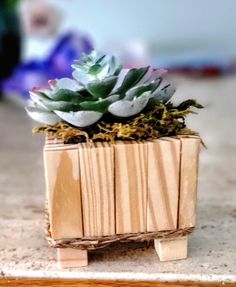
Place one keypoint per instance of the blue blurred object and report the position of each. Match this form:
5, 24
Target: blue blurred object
36, 73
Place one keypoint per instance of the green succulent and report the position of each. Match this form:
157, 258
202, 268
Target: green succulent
99, 86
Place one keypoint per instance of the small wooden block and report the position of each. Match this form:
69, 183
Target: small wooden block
131, 187
171, 249
97, 188
163, 184
69, 257
188, 181
63, 192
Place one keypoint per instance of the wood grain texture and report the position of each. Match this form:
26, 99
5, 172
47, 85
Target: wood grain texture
68, 257
63, 192
190, 147
163, 184
171, 249
77, 283
131, 187
97, 188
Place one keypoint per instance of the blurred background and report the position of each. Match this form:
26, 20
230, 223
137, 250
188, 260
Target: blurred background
194, 40
39, 39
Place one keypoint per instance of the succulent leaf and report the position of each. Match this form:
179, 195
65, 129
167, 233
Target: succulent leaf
101, 89
131, 79
100, 105
86, 60
34, 105
51, 105
38, 98
65, 83
86, 94
95, 69
80, 119
154, 75
163, 95
61, 106
100, 59
82, 78
121, 77
139, 90
42, 116
103, 73
70, 96
125, 108
115, 66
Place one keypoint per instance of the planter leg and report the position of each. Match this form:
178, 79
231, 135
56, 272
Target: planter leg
69, 257
171, 249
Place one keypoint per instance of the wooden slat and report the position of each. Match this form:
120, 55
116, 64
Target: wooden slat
188, 181
171, 249
69, 257
131, 187
63, 190
51, 139
163, 184
59, 146
97, 187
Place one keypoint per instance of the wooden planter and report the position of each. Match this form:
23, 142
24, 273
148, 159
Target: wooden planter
101, 193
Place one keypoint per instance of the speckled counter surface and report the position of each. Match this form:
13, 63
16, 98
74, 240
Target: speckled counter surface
212, 247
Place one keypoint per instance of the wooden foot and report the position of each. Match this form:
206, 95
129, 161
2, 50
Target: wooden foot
69, 257
171, 249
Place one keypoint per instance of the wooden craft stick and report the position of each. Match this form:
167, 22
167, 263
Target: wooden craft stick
68, 257
188, 181
97, 187
171, 249
163, 184
130, 187
63, 192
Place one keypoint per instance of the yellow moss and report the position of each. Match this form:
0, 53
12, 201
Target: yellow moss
163, 120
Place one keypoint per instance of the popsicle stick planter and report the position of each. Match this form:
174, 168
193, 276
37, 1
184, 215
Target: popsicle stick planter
102, 193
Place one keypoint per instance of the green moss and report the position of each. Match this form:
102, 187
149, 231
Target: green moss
162, 120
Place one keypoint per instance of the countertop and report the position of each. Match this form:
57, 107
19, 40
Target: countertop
24, 253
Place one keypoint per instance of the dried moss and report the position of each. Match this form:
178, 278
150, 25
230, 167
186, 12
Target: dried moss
163, 120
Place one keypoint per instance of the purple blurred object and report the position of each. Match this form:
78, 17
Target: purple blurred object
36, 73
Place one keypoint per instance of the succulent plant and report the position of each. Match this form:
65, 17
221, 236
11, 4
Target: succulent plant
99, 86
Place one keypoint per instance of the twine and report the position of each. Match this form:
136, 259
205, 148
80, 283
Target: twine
98, 242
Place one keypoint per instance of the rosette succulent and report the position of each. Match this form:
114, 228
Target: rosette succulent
99, 86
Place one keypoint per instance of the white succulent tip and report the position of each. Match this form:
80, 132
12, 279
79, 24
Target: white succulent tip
42, 116
65, 83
